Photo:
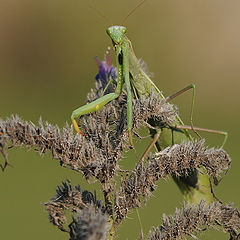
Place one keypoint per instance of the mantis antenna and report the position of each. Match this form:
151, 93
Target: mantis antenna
124, 20
99, 13
132, 11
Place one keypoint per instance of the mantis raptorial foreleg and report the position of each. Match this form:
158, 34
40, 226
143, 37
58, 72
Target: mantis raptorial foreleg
122, 48
92, 107
100, 102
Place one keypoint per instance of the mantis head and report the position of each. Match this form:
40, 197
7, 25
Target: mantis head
116, 33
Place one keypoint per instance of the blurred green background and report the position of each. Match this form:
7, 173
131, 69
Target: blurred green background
47, 66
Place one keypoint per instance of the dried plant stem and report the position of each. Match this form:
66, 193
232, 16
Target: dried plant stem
109, 210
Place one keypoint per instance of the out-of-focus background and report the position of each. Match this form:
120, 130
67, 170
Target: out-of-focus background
47, 66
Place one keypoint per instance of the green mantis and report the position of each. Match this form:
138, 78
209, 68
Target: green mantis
196, 185
128, 65
122, 47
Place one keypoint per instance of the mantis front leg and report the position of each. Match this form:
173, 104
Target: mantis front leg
92, 107
122, 51
100, 102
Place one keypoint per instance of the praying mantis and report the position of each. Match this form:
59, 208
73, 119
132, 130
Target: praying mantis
196, 185
122, 47
128, 65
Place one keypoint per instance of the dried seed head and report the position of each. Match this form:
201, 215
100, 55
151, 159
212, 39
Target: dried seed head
176, 160
73, 199
181, 157
71, 150
190, 219
98, 154
107, 128
90, 224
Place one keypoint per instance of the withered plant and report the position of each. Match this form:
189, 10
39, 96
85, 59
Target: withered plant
98, 153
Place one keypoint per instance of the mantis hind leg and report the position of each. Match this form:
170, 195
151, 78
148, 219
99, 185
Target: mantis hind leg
191, 127
152, 143
189, 87
186, 127
183, 127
